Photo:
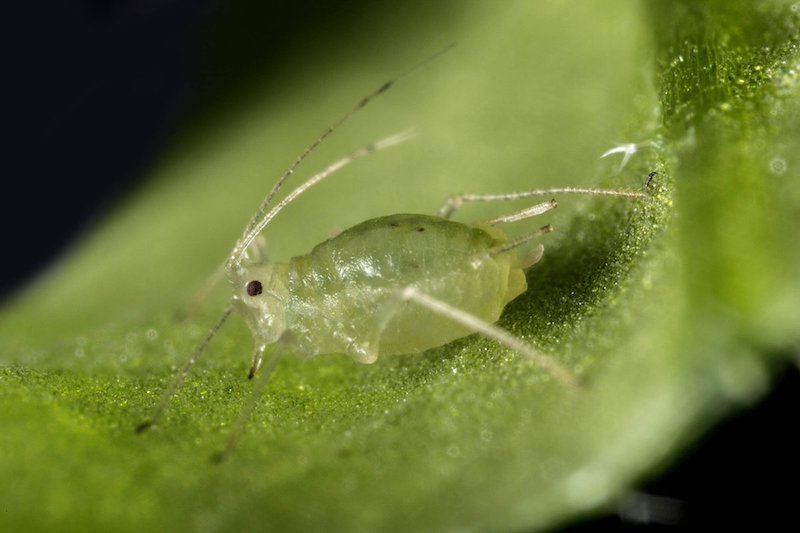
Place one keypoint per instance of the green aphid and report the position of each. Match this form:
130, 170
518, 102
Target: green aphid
391, 285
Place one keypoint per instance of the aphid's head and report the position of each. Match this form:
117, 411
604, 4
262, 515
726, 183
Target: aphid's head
260, 293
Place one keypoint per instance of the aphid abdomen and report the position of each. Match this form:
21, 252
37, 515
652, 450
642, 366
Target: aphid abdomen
345, 293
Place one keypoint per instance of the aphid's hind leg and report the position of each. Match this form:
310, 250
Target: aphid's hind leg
457, 200
412, 294
522, 214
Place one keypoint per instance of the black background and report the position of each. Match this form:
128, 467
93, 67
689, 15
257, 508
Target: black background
97, 90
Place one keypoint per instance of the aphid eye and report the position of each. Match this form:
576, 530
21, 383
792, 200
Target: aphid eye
254, 288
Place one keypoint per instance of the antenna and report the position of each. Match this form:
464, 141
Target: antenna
257, 223
255, 229
259, 220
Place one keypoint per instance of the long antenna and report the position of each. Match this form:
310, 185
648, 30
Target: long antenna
249, 237
257, 223
262, 208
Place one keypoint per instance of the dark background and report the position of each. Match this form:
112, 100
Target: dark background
98, 89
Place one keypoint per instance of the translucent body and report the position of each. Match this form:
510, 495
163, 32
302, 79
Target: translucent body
343, 297
390, 285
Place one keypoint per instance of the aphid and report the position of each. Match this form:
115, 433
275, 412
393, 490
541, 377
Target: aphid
397, 284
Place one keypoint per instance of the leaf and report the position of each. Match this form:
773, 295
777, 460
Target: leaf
672, 310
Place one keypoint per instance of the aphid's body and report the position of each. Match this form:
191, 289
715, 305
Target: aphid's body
390, 285
344, 297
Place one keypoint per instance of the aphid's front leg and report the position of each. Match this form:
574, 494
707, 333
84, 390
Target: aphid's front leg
258, 356
278, 350
177, 381
412, 294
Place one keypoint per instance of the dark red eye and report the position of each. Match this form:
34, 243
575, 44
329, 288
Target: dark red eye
254, 288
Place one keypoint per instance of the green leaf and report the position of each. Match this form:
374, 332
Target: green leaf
673, 310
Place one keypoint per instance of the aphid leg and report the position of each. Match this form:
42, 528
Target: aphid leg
181, 375
522, 214
565, 376
457, 200
244, 415
258, 356
387, 311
